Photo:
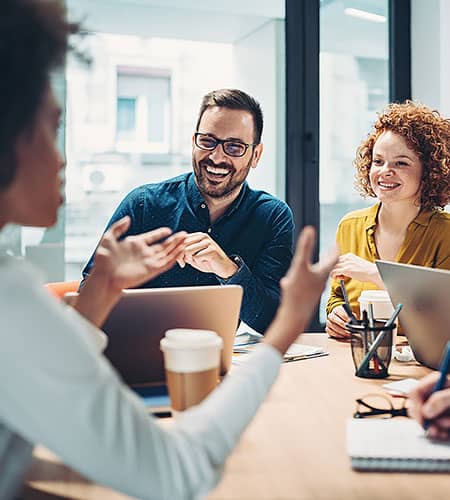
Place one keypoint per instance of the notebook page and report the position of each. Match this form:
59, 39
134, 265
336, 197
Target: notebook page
392, 439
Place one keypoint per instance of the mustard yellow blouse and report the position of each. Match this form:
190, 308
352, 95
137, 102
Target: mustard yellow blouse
427, 243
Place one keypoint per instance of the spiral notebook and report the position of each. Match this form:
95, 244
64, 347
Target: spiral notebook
394, 445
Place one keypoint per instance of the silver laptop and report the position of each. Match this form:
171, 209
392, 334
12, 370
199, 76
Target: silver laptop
141, 317
425, 317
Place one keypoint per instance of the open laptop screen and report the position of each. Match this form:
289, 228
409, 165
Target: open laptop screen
141, 317
425, 316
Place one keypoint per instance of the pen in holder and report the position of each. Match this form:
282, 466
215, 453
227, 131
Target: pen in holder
371, 343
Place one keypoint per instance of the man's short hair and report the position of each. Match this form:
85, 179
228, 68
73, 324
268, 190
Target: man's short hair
234, 99
33, 41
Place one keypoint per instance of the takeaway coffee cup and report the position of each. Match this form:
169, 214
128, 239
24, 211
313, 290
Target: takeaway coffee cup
192, 364
382, 307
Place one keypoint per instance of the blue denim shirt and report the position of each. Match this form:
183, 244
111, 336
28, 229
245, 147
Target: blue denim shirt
257, 227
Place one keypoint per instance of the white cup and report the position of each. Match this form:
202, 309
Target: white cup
382, 307
192, 363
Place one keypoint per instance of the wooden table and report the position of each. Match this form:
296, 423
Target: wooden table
294, 448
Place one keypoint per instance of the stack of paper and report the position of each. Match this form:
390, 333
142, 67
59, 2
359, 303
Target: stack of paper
245, 339
302, 351
245, 342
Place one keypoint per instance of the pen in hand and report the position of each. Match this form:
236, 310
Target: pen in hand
443, 369
346, 304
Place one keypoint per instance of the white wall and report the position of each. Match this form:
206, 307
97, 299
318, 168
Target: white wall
445, 57
425, 52
430, 51
259, 69
201, 20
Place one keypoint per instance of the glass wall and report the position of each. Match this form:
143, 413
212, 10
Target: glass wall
42, 247
354, 86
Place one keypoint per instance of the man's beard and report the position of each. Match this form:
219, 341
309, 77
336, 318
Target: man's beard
233, 181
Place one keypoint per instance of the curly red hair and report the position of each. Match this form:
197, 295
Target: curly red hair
427, 133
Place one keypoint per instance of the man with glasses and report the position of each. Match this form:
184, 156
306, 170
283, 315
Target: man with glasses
236, 235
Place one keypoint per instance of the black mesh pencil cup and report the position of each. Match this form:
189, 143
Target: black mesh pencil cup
371, 347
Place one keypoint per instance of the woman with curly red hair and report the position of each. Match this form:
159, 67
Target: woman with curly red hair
405, 164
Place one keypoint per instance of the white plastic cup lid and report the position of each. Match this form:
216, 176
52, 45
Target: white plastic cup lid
191, 350
182, 338
374, 296
381, 303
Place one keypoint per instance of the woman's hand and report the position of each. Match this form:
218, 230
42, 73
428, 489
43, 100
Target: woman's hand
136, 259
435, 408
351, 266
335, 326
126, 263
300, 292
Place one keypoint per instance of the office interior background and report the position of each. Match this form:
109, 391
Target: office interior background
320, 69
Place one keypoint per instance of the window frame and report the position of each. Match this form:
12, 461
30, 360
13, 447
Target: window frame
302, 103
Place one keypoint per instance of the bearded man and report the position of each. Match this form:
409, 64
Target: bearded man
237, 235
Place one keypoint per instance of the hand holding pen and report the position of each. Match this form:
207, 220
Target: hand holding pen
346, 304
339, 316
430, 401
335, 325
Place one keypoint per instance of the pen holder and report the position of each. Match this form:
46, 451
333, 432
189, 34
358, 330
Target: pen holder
362, 338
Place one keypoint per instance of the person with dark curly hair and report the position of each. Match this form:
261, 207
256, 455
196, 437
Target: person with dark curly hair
56, 388
405, 164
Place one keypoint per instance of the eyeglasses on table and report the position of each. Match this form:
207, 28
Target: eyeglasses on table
380, 406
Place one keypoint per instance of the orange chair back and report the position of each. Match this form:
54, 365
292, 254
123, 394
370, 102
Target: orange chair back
59, 288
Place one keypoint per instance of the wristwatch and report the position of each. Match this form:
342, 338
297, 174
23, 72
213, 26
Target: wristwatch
237, 259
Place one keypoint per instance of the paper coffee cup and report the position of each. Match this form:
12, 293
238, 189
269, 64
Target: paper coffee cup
192, 364
382, 307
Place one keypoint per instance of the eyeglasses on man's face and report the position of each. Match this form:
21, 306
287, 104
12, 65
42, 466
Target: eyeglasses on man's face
229, 147
380, 406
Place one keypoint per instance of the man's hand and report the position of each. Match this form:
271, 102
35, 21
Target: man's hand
351, 266
205, 255
435, 408
136, 259
335, 326
300, 292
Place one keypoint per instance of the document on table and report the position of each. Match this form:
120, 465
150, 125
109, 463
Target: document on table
302, 351
401, 387
296, 352
244, 339
394, 445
